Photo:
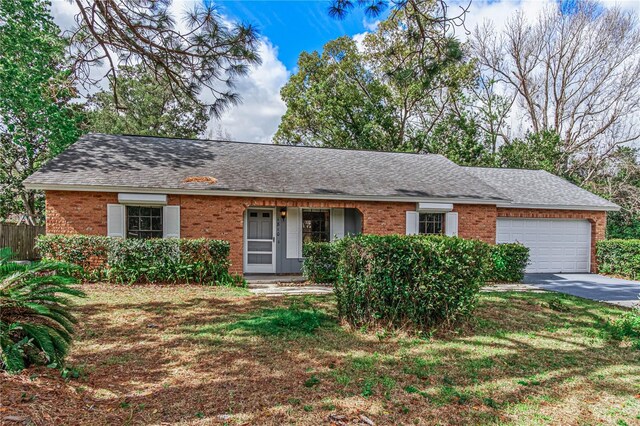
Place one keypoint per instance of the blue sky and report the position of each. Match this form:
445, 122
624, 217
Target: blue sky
296, 25
290, 27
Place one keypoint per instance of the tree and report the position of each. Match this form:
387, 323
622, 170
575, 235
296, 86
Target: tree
621, 183
458, 137
372, 97
428, 23
334, 100
37, 120
146, 107
541, 150
207, 54
572, 72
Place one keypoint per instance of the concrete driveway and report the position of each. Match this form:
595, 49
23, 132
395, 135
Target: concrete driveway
589, 286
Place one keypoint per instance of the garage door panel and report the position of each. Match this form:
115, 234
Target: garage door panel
555, 245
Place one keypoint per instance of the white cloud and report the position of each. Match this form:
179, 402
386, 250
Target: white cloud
257, 118
63, 13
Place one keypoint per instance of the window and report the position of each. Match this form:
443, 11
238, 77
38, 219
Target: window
315, 226
431, 223
144, 222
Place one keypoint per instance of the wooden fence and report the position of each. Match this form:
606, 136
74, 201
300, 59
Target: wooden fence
21, 239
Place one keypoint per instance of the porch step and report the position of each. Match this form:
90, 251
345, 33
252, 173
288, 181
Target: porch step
262, 280
275, 290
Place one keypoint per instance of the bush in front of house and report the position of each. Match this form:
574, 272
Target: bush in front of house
86, 251
320, 264
627, 328
509, 262
36, 326
120, 260
409, 281
619, 257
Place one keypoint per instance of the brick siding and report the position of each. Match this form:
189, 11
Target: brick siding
222, 217
477, 221
78, 212
209, 216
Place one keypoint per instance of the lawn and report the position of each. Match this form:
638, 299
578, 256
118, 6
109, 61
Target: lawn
203, 355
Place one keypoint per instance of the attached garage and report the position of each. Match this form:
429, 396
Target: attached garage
556, 245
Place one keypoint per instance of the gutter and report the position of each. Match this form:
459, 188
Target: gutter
500, 203
253, 194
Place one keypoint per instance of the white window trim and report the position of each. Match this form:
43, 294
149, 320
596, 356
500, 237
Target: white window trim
149, 199
434, 207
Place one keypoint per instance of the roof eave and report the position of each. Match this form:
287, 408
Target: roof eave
227, 193
503, 203
608, 208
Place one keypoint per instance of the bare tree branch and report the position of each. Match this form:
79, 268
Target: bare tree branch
577, 74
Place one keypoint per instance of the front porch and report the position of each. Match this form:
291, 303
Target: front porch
273, 236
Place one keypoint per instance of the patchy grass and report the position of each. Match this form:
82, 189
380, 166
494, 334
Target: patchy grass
207, 355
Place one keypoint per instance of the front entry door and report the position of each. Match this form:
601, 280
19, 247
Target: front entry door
260, 244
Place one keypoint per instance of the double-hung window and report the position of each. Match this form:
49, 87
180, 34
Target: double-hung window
144, 222
316, 226
431, 223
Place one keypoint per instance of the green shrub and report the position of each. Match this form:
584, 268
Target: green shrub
414, 281
85, 251
35, 325
627, 328
321, 262
619, 257
137, 261
509, 262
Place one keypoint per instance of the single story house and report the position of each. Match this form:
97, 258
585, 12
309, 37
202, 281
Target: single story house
268, 200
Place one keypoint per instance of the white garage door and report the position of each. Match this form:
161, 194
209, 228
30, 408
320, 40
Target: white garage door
555, 245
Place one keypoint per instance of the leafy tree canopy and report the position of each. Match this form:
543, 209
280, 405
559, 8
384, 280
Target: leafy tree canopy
374, 96
37, 120
146, 107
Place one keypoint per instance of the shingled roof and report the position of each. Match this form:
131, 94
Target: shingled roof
144, 163
539, 188
150, 164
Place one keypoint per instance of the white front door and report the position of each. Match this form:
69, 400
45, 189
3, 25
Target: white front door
555, 245
259, 241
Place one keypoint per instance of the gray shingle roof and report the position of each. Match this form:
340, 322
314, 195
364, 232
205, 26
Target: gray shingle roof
148, 163
538, 187
161, 163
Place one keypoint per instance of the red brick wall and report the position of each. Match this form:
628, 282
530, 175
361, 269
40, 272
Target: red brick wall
598, 222
222, 217
78, 212
209, 216
477, 221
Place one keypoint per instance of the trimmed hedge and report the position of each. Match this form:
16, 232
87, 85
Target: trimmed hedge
619, 257
509, 262
137, 261
414, 281
320, 264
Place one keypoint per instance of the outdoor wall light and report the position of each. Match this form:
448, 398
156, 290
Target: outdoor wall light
283, 213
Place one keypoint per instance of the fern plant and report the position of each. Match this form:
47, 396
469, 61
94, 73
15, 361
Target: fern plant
35, 323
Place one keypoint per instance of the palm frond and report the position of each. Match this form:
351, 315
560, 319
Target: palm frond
34, 311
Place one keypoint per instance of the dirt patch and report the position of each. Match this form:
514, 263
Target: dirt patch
204, 355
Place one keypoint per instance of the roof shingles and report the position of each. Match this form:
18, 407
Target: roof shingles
148, 163
160, 163
538, 187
